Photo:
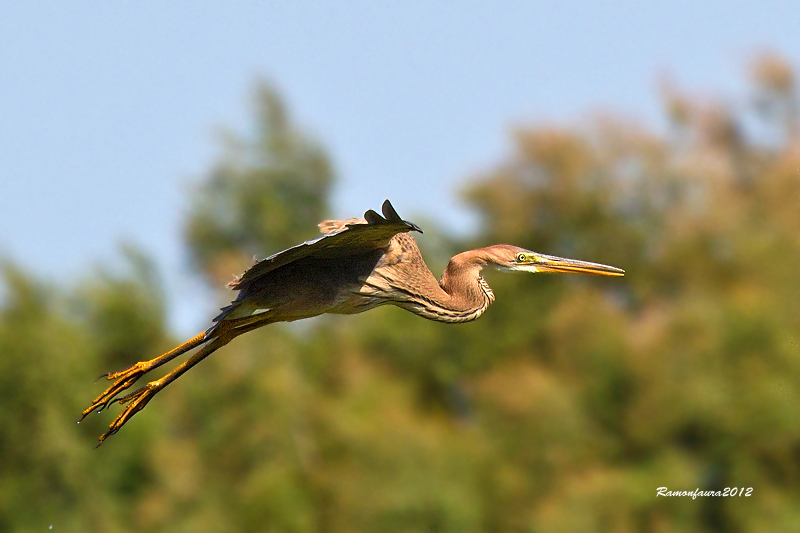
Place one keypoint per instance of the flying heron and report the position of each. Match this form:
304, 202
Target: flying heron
357, 265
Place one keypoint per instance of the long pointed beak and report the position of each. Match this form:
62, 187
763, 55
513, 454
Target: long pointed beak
549, 263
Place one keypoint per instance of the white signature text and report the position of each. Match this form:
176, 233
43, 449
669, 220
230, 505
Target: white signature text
735, 491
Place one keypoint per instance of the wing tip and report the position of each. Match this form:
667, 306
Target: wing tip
373, 218
389, 212
391, 216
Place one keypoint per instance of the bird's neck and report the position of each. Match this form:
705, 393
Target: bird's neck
465, 295
460, 296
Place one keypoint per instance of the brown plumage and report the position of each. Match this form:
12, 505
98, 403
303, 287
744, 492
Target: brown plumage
357, 265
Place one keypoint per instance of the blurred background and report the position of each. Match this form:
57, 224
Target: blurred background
147, 153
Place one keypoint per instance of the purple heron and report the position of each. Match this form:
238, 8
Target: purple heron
357, 265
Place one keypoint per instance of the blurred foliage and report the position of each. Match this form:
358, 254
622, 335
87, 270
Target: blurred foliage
563, 408
267, 193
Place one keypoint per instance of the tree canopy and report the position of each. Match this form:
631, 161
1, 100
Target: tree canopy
563, 408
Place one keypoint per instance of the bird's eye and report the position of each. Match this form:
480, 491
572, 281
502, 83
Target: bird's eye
520, 257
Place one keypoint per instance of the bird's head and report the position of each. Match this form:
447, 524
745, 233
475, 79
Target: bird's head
514, 258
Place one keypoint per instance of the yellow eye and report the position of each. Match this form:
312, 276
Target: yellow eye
520, 257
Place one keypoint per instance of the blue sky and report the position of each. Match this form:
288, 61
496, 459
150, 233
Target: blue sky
109, 112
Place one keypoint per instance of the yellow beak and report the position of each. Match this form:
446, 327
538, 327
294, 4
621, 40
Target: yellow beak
549, 263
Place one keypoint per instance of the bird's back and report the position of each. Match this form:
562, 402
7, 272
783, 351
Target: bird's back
321, 275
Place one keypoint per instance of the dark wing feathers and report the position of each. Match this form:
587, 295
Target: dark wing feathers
389, 212
351, 240
373, 218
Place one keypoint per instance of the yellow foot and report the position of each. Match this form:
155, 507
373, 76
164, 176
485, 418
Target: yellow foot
124, 379
136, 402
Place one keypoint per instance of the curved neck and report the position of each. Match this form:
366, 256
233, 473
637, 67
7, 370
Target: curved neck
462, 295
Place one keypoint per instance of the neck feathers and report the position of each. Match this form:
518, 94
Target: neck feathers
468, 294
462, 295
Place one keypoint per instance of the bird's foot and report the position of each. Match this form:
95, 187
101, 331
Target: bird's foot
136, 401
122, 380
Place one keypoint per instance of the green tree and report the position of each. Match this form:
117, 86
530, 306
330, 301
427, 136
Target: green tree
266, 193
562, 409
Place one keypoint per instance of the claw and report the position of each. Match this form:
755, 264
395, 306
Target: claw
124, 379
136, 401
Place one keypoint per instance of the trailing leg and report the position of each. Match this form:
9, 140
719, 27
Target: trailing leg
137, 400
125, 378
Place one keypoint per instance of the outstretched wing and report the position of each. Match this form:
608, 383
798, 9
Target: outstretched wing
332, 226
372, 233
